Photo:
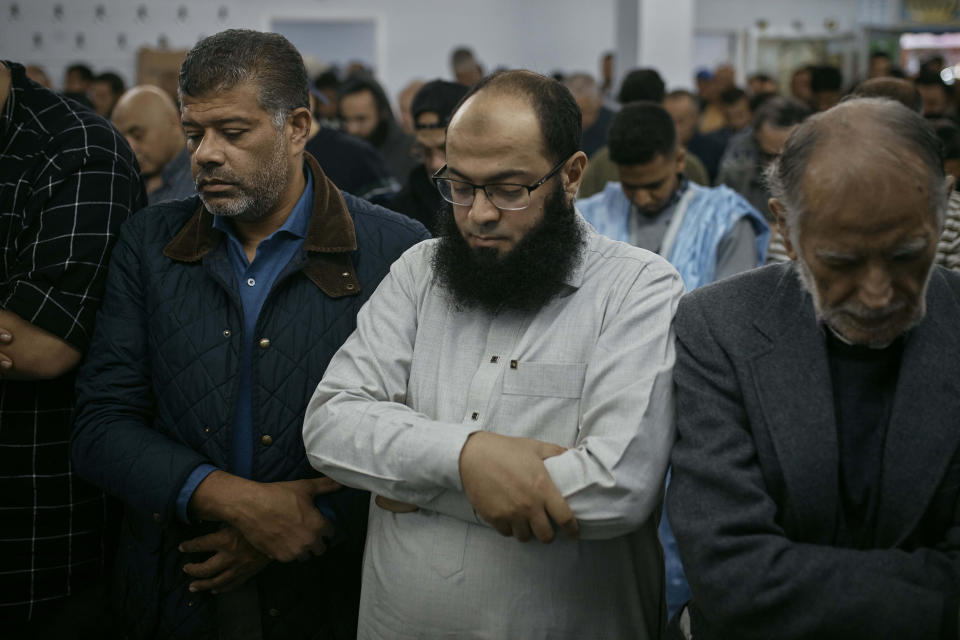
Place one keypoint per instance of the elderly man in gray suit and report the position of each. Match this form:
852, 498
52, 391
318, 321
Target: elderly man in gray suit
816, 475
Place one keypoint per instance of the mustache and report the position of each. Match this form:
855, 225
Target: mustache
220, 175
860, 312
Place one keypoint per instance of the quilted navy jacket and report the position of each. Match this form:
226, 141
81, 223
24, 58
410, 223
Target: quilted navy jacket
157, 395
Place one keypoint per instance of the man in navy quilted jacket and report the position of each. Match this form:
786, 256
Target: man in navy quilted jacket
221, 314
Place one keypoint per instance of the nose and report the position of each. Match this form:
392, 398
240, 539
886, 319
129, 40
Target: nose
208, 151
641, 198
876, 288
482, 212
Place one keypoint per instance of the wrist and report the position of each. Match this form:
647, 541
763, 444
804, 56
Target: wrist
220, 497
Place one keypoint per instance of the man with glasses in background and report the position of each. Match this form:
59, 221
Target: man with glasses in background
509, 379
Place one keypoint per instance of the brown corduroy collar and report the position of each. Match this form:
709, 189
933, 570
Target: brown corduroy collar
329, 241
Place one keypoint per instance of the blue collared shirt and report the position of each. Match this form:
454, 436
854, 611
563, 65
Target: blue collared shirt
254, 280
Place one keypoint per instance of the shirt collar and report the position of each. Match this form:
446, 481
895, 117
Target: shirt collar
296, 223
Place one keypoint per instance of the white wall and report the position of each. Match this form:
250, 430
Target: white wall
414, 38
666, 39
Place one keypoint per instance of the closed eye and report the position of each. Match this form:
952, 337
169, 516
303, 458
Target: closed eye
907, 256
840, 262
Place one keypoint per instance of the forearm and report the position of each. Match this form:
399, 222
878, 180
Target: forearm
614, 486
221, 497
382, 447
33, 353
613, 477
131, 461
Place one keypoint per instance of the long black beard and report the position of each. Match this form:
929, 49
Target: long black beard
525, 279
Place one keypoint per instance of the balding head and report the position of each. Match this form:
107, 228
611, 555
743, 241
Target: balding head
859, 193
148, 119
843, 149
553, 106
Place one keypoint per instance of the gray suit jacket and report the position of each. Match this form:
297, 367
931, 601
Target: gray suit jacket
755, 491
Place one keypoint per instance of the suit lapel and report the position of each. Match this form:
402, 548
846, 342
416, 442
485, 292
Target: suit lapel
794, 391
924, 428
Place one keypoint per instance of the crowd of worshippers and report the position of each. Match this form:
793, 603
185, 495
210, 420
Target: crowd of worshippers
527, 361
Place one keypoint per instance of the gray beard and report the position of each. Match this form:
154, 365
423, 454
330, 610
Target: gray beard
267, 185
831, 316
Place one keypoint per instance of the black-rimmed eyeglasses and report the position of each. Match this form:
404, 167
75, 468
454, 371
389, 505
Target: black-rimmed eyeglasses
503, 195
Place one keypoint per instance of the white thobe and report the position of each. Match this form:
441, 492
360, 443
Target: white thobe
590, 371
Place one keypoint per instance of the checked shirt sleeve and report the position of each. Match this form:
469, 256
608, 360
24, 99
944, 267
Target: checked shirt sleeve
55, 271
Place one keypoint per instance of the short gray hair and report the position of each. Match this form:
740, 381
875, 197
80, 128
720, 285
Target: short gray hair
235, 56
894, 129
582, 85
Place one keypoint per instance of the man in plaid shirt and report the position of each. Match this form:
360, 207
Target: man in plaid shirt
67, 182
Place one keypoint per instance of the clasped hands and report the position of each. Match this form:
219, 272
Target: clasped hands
507, 484
264, 522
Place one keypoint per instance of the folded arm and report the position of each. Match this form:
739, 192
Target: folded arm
359, 431
32, 353
54, 281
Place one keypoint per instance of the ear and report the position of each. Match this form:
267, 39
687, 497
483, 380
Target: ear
681, 158
780, 212
572, 173
299, 122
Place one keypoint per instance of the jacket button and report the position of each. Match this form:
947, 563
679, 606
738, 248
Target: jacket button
274, 613
156, 517
349, 287
345, 274
226, 333
264, 343
266, 440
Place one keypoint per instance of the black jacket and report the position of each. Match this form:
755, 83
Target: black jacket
419, 199
157, 395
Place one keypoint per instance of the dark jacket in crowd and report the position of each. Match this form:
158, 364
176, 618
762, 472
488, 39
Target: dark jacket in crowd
396, 151
709, 149
419, 199
354, 165
157, 397
758, 498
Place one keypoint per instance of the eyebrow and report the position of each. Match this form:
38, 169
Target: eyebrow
495, 178
910, 246
826, 254
221, 122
